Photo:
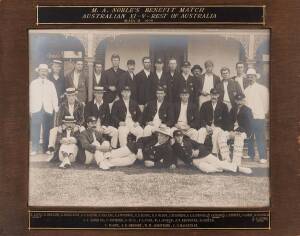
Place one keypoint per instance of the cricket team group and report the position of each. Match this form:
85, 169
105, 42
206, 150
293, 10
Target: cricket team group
158, 116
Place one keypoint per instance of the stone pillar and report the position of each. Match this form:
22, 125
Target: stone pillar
90, 61
251, 60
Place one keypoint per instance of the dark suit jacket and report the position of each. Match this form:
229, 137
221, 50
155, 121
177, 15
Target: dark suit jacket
165, 113
219, 116
126, 80
243, 117
192, 114
216, 80
173, 86
192, 86
111, 78
64, 111
145, 88
184, 152
95, 81
119, 111
82, 85
161, 155
102, 113
233, 88
59, 86
162, 82
246, 82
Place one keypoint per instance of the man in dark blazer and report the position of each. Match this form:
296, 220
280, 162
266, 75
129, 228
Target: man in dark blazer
93, 147
196, 154
156, 150
111, 79
127, 117
241, 76
128, 79
160, 76
98, 74
208, 81
70, 107
186, 116
213, 119
189, 82
78, 79
228, 88
57, 78
240, 120
173, 79
100, 110
145, 86
157, 112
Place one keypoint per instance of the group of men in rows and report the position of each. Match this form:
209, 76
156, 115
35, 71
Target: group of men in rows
155, 116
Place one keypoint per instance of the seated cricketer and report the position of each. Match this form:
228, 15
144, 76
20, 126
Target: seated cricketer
70, 107
94, 148
156, 150
100, 110
66, 148
240, 120
213, 120
196, 154
157, 112
126, 116
186, 116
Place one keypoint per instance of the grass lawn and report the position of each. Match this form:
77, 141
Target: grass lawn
138, 186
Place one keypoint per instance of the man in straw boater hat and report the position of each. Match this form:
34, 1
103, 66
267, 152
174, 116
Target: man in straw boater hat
157, 112
66, 147
156, 150
257, 99
127, 117
70, 107
100, 110
196, 154
240, 120
213, 120
186, 116
43, 104
56, 76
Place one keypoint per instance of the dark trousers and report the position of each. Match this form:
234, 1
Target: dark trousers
259, 133
39, 119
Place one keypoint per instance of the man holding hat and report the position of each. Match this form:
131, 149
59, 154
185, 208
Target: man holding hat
156, 150
257, 99
57, 78
228, 88
160, 77
127, 117
66, 148
208, 81
78, 79
196, 154
43, 104
94, 148
145, 86
186, 116
100, 110
128, 79
189, 82
213, 119
157, 112
240, 120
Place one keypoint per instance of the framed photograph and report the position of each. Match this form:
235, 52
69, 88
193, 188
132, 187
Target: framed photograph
150, 117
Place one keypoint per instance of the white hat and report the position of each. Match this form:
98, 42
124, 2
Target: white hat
252, 71
163, 129
42, 66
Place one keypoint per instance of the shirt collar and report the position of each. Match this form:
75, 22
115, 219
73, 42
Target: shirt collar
95, 102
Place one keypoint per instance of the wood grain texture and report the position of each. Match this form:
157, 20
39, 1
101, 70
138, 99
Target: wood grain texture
282, 17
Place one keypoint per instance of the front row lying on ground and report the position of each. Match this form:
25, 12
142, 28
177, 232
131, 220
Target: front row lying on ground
157, 150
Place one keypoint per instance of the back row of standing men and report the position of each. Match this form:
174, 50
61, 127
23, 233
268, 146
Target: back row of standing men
144, 88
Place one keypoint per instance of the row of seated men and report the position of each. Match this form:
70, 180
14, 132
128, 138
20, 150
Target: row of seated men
126, 118
162, 150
